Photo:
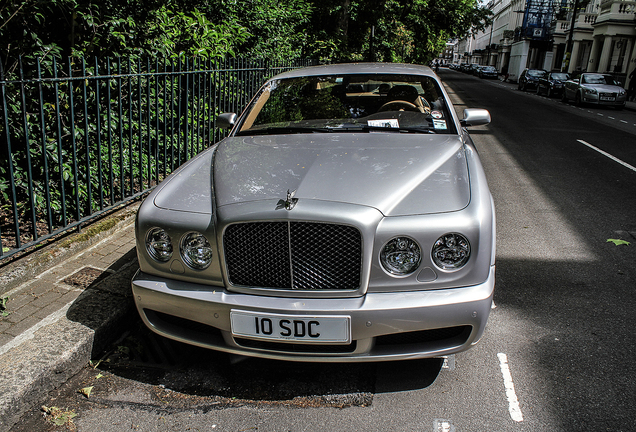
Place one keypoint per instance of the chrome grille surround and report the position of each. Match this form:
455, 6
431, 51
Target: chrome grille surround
293, 255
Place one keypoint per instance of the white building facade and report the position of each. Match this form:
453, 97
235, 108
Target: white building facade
539, 34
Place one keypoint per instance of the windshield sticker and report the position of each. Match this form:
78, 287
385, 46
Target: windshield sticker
437, 115
439, 124
388, 123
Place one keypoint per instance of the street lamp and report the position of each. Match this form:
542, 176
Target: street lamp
568, 50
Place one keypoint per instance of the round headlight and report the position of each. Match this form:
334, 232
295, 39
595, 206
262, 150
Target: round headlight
158, 244
451, 251
401, 256
196, 251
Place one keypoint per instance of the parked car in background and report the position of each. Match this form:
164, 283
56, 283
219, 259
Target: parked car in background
474, 67
529, 78
346, 217
595, 88
487, 72
552, 83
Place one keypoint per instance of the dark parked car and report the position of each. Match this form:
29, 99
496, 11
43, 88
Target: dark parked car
552, 84
595, 88
346, 217
487, 72
530, 78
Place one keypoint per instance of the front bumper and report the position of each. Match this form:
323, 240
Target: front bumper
384, 326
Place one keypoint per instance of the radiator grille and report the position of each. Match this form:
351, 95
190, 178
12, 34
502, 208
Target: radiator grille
293, 255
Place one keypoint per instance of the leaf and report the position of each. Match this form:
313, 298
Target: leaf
86, 391
618, 242
57, 416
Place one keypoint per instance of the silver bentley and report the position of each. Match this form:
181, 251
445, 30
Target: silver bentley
346, 217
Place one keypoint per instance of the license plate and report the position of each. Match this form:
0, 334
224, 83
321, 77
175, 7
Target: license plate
607, 98
297, 328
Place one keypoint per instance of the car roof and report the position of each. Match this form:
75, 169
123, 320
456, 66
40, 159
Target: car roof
359, 68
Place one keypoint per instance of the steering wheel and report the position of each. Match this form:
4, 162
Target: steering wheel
399, 105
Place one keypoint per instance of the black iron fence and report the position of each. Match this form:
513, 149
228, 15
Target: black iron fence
78, 139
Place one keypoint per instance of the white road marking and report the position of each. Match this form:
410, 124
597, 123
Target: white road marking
449, 362
513, 402
604, 153
442, 425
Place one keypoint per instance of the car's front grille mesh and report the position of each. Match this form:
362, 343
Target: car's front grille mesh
293, 255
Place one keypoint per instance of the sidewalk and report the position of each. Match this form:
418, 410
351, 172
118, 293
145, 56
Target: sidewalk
61, 312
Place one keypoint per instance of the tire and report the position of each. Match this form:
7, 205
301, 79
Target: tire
550, 93
577, 99
564, 98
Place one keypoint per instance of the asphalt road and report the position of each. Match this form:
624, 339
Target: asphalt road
558, 351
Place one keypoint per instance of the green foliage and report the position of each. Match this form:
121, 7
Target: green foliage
331, 30
405, 31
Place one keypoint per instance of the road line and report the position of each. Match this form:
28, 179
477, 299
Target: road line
443, 425
513, 402
604, 153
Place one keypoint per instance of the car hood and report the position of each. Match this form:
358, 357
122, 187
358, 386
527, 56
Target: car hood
603, 88
398, 174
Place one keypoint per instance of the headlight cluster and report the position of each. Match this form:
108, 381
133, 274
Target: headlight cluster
589, 91
401, 256
451, 251
194, 248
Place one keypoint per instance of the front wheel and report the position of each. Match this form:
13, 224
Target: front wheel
577, 99
564, 98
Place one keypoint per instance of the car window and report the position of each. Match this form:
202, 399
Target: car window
536, 73
344, 103
598, 79
560, 76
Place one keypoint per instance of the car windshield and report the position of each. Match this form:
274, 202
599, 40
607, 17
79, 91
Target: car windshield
489, 68
560, 76
598, 79
348, 103
536, 73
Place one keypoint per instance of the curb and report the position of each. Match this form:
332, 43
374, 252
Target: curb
46, 355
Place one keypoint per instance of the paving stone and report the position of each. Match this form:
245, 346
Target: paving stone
19, 300
5, 339
16, 316
46, 299
23, 325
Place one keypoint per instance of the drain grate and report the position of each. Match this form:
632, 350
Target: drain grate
84, 277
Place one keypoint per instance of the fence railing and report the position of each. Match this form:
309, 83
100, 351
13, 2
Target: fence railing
78, 139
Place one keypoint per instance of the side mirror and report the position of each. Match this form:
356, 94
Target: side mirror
475, 117
226, 120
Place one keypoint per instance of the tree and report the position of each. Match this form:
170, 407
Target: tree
390, 30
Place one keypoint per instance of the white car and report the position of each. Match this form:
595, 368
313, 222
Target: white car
595, 88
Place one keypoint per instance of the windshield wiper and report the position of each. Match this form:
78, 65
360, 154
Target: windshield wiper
283, 130
367, 128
